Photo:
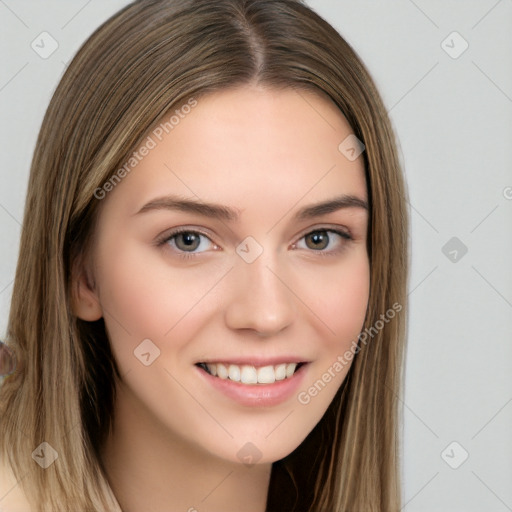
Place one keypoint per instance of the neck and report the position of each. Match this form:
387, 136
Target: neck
150, 469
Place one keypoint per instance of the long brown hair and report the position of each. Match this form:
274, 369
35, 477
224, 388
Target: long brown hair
149, 58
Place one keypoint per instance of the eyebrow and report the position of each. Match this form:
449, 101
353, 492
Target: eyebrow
233, 214
330, 206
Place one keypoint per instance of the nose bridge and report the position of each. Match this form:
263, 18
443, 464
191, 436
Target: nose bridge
258, 298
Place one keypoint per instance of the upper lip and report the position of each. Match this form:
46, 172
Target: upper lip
254, 361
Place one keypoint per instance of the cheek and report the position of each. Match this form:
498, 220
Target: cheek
338, 296
349, 300
144, 297
127, 291
340, 302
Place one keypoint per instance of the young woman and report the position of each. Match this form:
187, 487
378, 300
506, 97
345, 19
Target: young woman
209, 306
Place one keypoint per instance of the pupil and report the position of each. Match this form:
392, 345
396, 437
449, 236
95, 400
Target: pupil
187, 241
319, 240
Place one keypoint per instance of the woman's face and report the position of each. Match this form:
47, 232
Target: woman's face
238, 240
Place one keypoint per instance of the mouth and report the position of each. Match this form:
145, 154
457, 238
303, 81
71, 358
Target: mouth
249, 374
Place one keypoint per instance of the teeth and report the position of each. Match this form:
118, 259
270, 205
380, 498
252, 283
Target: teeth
222, 371
290, 369
248, 374
280, 371
234, 372
266, 375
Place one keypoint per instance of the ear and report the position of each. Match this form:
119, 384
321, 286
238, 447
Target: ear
84, 299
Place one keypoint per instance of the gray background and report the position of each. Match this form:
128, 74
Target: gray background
452, 112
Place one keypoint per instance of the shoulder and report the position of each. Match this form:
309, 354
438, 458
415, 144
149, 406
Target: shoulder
12, 498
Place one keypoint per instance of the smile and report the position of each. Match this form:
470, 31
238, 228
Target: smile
251, 375
260, 384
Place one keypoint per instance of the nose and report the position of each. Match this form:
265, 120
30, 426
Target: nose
260, 300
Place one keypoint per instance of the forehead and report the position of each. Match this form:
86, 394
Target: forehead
246, 147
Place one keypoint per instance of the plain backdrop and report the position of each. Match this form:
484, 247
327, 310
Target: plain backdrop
444, 69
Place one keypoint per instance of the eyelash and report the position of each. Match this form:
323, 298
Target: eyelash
189, 255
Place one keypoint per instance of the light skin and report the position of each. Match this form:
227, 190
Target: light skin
267, 155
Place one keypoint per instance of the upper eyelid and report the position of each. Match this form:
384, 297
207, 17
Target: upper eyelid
344, 235
203, 231
339, 230
170, 233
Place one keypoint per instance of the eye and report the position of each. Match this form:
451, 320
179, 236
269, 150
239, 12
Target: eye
188, 241
323, 240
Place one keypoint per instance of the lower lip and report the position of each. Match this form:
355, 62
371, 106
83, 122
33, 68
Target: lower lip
257, 395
